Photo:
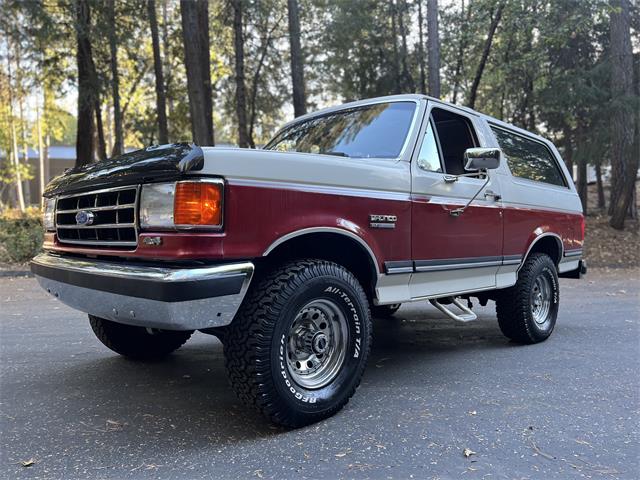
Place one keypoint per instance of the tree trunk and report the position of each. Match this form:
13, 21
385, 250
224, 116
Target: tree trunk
433, 40
102, 145
461, 51
581, 160
297, 63
485, 55
86, 87
161, 103
241, 94
195, 36
16, 166
166, 67
14, 137
624, 161
393, 11
41, 161
266, 43
601, 201
407, 79
118, 144
423, 83
26, 187
568, 148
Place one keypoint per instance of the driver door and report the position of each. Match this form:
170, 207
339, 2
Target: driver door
452, 254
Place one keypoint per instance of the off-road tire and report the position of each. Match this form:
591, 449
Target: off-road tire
137, 342
255, 342
384, 311
514, 305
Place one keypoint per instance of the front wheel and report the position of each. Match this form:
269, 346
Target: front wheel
527, 311
137, 342
298, 346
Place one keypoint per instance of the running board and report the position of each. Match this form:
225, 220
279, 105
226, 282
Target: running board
466, 316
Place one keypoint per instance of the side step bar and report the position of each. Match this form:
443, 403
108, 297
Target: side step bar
467, 314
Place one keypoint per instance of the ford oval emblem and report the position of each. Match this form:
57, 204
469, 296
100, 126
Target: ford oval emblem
84, 218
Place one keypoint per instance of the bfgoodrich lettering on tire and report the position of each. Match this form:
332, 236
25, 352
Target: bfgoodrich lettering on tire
527, 311
298, 346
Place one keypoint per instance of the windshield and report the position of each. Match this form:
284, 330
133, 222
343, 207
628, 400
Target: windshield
370, 131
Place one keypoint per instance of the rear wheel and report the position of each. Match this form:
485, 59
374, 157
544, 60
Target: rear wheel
298, 346
527, 311
137, 342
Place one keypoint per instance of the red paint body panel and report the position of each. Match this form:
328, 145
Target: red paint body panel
520, 225
256, 217
438, 235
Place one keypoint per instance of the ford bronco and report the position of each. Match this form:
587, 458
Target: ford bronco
286, 252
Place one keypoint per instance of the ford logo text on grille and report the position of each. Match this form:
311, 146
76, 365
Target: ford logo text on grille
85, 218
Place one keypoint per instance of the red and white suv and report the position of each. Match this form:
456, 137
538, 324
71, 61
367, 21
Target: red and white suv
285, 252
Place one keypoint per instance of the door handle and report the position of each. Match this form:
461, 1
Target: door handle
490, 193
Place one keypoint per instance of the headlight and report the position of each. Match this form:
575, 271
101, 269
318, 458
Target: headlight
182, 205
49, 214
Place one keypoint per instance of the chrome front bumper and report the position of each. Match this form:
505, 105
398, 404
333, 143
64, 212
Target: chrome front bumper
148, 296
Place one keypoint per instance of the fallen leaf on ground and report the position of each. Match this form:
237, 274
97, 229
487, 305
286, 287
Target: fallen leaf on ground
467, 452
27, 463
113, 425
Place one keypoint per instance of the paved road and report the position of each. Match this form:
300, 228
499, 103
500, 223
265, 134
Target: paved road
568, 408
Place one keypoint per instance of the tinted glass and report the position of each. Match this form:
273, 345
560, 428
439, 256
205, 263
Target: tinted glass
429, 157
372, 131
455, 134
529, 159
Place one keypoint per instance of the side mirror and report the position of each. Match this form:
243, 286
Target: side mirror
482, 158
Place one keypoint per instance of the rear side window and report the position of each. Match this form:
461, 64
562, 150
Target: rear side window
529, 159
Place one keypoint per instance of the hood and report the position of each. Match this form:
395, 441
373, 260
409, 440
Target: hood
163, 162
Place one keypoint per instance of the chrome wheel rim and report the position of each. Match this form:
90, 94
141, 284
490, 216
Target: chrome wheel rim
541, 300
317, 344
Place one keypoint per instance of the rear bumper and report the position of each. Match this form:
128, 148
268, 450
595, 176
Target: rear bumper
149, 296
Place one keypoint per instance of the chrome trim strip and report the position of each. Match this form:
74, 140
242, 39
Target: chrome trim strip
547, 234
399, 266
436, 265
93, 192
146, 312
102, 225
573, 252
97, 209
340, 231
457, 266
328, 190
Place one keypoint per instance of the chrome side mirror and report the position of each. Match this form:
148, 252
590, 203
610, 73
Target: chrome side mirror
482, 158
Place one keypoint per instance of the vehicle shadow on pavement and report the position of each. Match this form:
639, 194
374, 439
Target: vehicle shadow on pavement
186, 398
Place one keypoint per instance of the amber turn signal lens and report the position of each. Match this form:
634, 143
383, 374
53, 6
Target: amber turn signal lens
198, 203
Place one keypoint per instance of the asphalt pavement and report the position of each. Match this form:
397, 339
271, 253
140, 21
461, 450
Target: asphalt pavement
433, 390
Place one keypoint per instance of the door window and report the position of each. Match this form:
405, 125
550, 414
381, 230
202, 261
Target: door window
528, 158
455, 135
429, 156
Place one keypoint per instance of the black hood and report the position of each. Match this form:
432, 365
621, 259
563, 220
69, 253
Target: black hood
163, 162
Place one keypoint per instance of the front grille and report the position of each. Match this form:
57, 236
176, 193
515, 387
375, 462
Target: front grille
113, 213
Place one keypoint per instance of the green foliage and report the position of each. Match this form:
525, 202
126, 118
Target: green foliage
21, 235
